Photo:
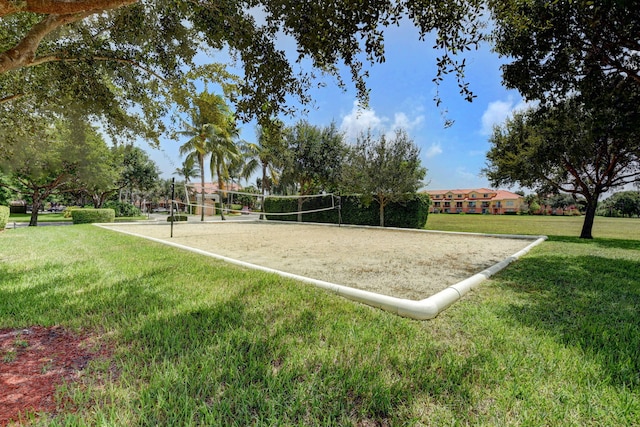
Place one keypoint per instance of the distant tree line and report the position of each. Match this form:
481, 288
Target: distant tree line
75, 166
622, 204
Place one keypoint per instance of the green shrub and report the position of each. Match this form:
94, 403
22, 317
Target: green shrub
88, 216
408, 214
246, 200
4, 216
177, 218
123, 209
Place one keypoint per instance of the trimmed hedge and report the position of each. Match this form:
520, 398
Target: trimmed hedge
4, 216
177, 218
88, 216
408, 214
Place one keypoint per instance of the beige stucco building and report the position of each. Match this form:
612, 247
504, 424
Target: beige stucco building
477, 200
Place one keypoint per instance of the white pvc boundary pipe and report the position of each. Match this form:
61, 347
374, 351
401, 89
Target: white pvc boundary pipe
427, 308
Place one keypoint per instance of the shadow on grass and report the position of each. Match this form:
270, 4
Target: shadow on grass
242, 363
590, 302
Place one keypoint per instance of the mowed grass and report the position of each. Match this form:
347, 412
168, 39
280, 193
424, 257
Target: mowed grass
42, 217
551, 340
617, 228
59, 217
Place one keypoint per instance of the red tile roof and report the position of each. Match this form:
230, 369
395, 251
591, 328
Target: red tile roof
210, 187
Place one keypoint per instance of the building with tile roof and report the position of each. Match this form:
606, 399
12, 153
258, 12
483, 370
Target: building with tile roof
476, 200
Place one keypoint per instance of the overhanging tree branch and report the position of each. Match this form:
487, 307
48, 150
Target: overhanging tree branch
24, 52
60, 7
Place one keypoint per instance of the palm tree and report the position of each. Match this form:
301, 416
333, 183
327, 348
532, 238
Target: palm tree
267, 154
222, 146
188, 170
210, 111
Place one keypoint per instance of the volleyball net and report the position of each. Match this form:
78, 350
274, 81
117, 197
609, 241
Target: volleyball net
213, 202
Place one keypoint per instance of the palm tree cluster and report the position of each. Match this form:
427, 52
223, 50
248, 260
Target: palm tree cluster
212, 133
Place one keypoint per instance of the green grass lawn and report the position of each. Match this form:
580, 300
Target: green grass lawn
43, 217
551, 340
59, 217
617, 228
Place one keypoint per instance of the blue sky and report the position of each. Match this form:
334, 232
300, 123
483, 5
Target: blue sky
402, 94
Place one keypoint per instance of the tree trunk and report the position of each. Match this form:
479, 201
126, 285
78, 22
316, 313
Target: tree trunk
300, 209
35, 208
589, 216
220, 188
264, 177
381, 214
201, 161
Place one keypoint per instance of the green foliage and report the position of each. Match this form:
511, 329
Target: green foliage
551, 44
384, 170
132, 73
177, 218
246, 200
212, 132
4, 216
6, 195
89, 216
313, 158
624, 203
139, 172
585, 145
266, 154
54, 159
123, 209
410, 213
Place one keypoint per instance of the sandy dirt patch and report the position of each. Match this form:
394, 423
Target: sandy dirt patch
405, 264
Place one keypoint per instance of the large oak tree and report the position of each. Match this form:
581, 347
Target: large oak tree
586, 145
122, 60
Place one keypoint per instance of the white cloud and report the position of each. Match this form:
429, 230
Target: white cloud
360, 119
497, 112
433, 150
401, 120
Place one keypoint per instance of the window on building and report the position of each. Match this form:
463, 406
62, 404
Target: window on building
485, 195
458, 204
472, 204
436, 204
447, 204
473, 195
459, 196
509, 202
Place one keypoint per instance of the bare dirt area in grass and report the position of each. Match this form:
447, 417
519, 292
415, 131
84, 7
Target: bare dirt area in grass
407, 264
34, 362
